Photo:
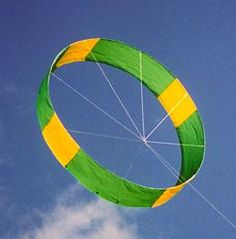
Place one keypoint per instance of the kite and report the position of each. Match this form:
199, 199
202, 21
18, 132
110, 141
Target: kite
167, 89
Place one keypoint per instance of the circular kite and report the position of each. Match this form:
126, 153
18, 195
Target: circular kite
169, 92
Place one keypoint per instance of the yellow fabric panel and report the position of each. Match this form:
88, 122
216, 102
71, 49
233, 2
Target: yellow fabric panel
59, 141
177, 102
77, 51
170, 193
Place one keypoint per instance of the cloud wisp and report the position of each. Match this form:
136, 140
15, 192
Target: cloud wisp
79, 220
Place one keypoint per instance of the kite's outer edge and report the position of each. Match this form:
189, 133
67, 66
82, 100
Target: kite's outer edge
170, 93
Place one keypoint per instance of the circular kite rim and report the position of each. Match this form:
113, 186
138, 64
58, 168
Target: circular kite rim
166, 88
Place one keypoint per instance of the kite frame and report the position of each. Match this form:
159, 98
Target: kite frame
166, 88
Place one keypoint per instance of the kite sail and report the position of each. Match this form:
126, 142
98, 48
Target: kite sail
167, 89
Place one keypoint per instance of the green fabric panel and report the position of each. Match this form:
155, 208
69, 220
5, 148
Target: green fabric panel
110, 186
191, 132
44, 105
155, 76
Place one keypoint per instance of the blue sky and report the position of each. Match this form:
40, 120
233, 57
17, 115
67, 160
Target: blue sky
194, 39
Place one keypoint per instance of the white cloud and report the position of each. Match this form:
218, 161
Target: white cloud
76, 219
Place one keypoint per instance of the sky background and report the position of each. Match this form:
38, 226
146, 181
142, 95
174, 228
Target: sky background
38, 198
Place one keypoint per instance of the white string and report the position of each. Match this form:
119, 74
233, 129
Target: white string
174, 173
95, 105
104, 135
174, 144
160, 123
134, 161
141, 92
114, 91
162, 160
212, 206
171, 169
